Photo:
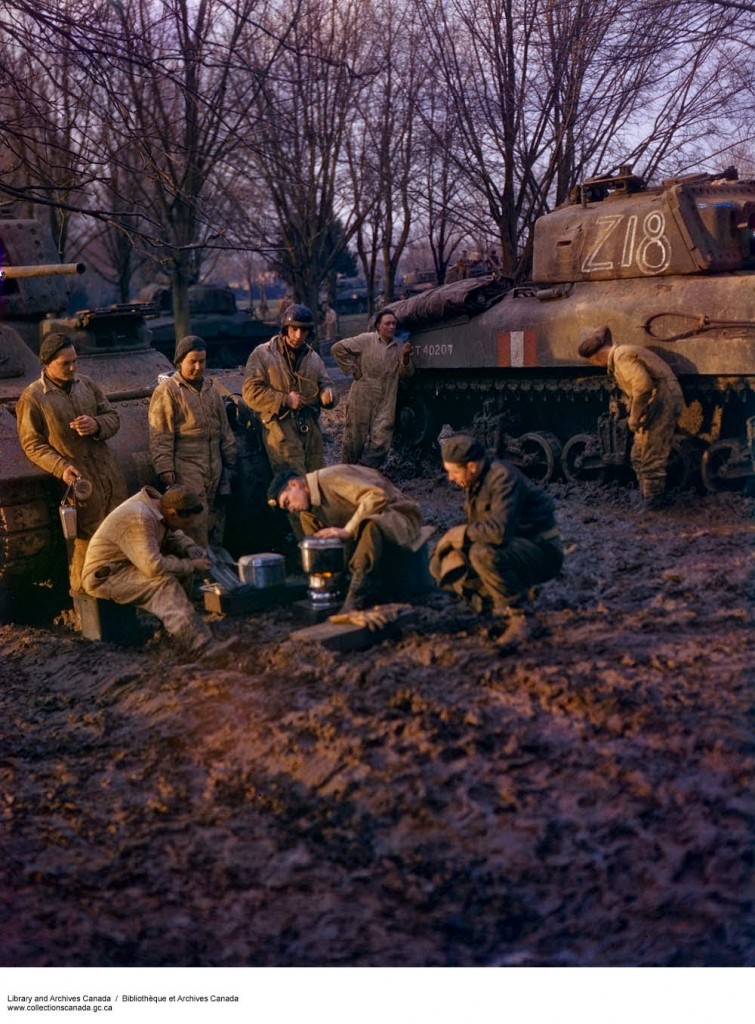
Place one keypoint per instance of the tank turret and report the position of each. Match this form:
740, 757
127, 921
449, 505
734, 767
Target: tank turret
670, 267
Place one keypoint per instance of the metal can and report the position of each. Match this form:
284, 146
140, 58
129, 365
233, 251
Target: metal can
263, 570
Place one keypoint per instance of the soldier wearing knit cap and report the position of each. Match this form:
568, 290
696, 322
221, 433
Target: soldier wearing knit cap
655, 404
142, 555
64, 421
190, 438
510, 540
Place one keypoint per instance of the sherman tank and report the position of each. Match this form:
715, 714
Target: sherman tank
670, 267
114, 348
230, 333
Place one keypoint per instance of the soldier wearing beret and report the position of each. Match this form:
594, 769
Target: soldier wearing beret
190, 438
360, 506
509, 542
655, 404
141, 555
64, 421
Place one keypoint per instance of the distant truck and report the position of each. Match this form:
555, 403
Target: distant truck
230, 333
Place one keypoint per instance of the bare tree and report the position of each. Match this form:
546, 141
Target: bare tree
299, 120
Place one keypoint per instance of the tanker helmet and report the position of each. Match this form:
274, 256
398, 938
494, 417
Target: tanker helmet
298, 316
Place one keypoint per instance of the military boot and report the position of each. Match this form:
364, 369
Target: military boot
515, 628
363, 593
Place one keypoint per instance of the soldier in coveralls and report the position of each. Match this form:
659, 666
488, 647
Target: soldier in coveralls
509, 542
655, 404
190, 438
64, 421
377, 364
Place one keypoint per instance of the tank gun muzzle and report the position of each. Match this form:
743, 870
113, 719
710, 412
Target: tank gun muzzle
41, 270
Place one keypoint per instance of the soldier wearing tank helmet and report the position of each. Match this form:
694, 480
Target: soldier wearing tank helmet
64, 421
287, 385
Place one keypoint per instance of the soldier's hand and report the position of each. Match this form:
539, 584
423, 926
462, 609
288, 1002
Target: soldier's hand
333, 531
326, 397
70, 475
85, 426
407, 351
294, 400
200, 564
167, 479
456, 536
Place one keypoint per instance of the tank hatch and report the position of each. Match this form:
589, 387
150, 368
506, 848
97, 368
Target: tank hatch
688, 226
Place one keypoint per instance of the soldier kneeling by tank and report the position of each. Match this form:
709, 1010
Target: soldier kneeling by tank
381, 526
140, 555
509, 543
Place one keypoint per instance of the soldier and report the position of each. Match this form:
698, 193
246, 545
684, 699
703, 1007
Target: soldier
286, 384
190, 438
655, 404
509, 542
140, 555
376, 363
358, 505
63, 422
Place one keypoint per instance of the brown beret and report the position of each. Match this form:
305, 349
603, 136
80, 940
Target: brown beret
51, 344
592, 340
182, 499
191, 343
461, 448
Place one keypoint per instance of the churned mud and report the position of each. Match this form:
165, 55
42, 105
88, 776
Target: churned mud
429, 801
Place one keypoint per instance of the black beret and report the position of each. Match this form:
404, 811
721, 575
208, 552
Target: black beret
593, 340
182, 499
279, 483
51, 344
191, 343
461, 448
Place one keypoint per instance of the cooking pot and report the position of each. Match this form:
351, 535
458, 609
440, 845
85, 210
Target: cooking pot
322, 555
264, 570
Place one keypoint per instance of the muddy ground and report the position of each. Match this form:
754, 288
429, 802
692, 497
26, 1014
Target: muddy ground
429, 801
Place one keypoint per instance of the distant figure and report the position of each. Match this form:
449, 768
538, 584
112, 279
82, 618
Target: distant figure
656, 402
283, 305
329, 323
63, 421
376, 363
462, 265
262, 308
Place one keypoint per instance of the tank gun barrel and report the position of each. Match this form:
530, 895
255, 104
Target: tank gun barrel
42, 270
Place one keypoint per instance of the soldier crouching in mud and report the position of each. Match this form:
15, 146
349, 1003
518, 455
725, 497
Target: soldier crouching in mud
140, 555
509, 542
357, 504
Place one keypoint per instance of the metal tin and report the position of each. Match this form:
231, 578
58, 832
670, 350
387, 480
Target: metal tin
322, 555
68, 520
264, 570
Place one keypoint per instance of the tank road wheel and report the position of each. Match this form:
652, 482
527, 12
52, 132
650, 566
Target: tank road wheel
416, 423
582, 459
538, 456
725, 466
683, 468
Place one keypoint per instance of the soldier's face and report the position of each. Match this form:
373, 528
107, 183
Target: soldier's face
296, 336
63, 367
462, 474
387, 327
193, 366
294, 497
